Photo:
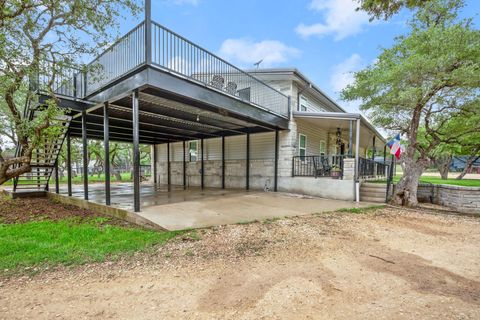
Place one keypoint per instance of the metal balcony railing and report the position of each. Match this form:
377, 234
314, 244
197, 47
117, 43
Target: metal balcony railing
174, 54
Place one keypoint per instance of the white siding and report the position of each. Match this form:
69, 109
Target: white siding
314, 135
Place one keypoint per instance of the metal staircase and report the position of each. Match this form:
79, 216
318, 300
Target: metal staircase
44, 159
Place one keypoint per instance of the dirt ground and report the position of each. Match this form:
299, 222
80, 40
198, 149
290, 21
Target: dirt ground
37, 209
386, 264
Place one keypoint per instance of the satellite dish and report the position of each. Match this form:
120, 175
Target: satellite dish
257, 64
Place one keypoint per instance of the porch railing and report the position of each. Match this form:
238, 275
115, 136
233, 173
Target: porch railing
175, 54
370, 168
318, 166
178, 55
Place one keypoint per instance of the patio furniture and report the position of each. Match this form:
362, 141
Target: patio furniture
231, 88
217, 81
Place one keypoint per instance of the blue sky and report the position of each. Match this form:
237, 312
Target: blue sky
324, 39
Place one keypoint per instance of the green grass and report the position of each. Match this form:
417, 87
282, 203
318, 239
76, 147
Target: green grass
70, 242
360, 210
439, 180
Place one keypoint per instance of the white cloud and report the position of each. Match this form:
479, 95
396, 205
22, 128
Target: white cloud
247, 52
340, 19
342, 76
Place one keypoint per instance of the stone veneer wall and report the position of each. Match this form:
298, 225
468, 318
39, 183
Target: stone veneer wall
462, 199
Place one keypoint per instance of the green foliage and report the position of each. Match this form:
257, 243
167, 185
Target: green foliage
384, 9
67, 242
361, 210
427, 82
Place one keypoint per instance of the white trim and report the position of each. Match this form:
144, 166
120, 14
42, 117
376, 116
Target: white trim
303, 104
325, 151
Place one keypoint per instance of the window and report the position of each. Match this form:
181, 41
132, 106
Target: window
192, 151
302, 145
303, 103
323, 147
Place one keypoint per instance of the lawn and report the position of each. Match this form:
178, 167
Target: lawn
439, 180
37, 233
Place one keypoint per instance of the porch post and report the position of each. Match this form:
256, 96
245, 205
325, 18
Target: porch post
184, 167
69, 164
136, 152
168, 166
275, 178
85, 155
106, 144
357, 180
350, 138
57, 186
223, 162
247, 162
373, 148
202, 168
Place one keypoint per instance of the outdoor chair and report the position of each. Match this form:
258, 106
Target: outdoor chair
217, 81
321, 166
231, 88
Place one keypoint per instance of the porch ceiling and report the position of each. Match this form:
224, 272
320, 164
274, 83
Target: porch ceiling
332, 121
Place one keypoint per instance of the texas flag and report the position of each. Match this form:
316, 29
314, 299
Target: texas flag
395, 147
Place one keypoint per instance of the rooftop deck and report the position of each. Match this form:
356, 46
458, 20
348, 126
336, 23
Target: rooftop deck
190, 86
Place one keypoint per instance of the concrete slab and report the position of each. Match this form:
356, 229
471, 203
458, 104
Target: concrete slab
235, 207
195, 208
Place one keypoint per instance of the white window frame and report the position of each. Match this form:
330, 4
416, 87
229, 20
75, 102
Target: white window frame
322, 146
300, 148
303, 105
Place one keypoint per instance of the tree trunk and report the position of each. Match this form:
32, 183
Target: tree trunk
468, 165
443, 165
406, 189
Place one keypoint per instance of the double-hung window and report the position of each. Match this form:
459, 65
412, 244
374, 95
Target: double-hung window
302, 145
303, 103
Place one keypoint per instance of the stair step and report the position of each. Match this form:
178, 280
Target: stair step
372, 199
372, 194
374, 185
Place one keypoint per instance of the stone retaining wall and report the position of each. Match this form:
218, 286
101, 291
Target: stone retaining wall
462, 199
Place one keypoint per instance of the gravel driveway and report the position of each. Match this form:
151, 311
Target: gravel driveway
384, 264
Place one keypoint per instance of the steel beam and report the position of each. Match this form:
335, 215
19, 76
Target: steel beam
184, 167
155, 160
223, 162
85, 155
136, 152
168, 167
106, 143
275, 183
69, 164
247, 167
202, 166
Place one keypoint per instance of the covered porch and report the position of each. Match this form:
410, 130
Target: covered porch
327, 139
